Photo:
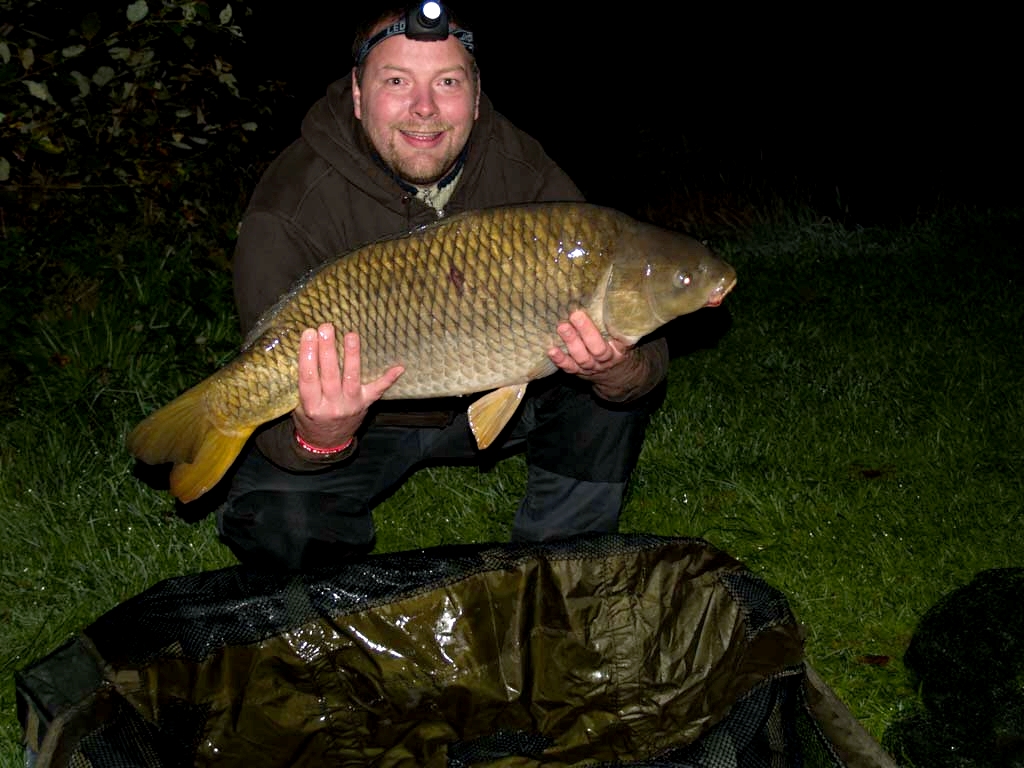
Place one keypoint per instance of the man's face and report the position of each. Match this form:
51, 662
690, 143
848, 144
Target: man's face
417, 104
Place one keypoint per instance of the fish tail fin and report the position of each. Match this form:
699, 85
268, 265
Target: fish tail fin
183, 432
489, 415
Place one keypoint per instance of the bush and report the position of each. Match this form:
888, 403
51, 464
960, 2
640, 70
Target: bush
127, 113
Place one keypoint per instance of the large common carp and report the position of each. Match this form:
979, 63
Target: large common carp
468, 304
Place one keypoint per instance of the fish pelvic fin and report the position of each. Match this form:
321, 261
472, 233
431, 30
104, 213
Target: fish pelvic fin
183, 433
489, 414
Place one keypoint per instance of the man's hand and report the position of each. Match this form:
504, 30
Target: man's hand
333, 401
590, 355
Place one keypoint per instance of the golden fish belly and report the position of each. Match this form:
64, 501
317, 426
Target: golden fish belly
466, 305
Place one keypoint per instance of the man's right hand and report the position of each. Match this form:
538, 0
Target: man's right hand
333, 401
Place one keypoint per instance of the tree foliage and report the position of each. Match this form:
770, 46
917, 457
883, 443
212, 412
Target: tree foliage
137, 101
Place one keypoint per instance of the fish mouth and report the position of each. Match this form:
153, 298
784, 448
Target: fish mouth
718, 295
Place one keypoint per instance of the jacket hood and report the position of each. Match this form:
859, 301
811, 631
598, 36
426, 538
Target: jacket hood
332, 130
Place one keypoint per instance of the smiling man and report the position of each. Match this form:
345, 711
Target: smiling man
417, 104
407, 138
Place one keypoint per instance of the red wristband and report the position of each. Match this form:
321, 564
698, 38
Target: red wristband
322, 451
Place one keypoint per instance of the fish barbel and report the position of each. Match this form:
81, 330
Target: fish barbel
468, 304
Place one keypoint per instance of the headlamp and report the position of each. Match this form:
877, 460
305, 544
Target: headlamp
430, 22
422, 21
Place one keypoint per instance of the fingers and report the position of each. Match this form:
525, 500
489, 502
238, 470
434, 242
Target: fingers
327, 362
326, 383
319, 376
352, 386
309, 371
584, 341
588, 333
586, 351
375, 389
351, 372
564, 361
333, 401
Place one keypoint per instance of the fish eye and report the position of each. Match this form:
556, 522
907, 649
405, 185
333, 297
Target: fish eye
682, 279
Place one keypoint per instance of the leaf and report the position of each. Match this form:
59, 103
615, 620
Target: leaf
225, 15
5, 169
137, 11
72, 50
229, 80
874, 660
5, 52
119, 53
141, 57
90, 25
39, 90
82, 82
28, 57
249, 126
103, 76
48, 146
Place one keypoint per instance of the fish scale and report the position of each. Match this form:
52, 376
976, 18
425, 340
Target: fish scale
466, 305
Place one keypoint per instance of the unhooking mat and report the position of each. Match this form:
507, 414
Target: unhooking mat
607, 650
966, 659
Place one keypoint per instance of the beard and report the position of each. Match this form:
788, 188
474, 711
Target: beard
419, 167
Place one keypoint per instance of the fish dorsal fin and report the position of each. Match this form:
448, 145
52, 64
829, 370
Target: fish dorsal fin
489, 415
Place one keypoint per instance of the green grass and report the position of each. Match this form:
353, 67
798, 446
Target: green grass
849, 427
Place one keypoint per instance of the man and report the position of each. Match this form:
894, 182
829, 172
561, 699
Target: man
409, 137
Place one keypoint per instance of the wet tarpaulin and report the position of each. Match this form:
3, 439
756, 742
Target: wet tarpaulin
631, 649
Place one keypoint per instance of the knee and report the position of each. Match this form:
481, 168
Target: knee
294, 530
556, 506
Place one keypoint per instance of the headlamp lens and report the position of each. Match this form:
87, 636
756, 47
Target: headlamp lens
430, 12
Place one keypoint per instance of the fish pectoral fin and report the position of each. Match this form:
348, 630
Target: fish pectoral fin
489, 415
190, 480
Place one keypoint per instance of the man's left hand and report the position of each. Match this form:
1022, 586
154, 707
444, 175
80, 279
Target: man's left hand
589, 354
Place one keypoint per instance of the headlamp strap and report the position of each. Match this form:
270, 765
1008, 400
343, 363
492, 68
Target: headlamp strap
464, 36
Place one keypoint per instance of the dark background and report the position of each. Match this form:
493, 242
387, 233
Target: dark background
877, 115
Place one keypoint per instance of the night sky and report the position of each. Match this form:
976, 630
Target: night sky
895, 112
